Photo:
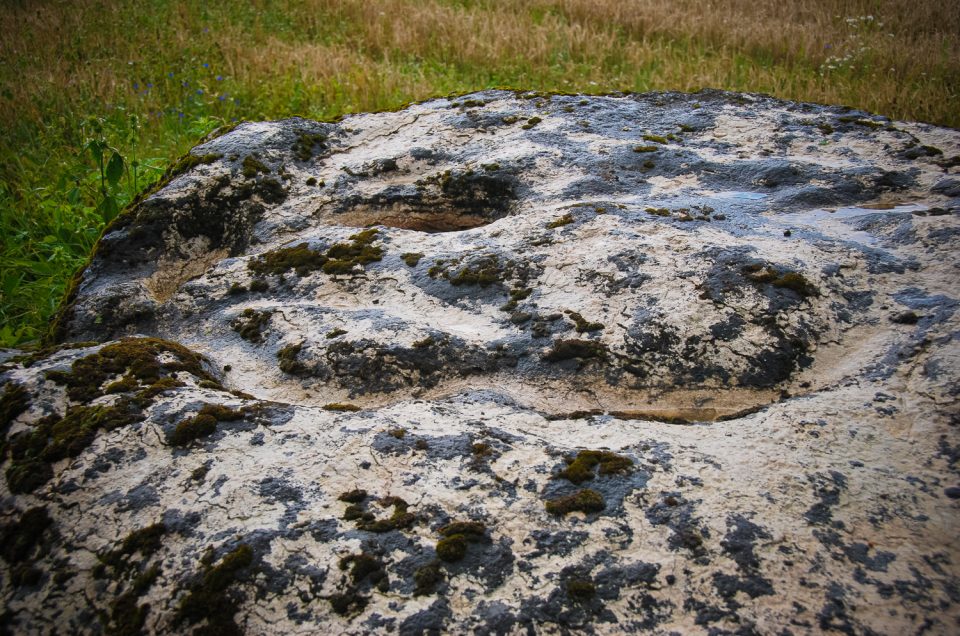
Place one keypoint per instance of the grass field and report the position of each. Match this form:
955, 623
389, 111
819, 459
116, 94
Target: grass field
96, 98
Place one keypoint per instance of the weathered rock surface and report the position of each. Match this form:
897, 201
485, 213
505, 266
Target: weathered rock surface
660, 363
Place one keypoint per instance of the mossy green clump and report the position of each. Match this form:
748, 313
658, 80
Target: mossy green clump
252, 166
14, 401
758, 273
366, 520
259, 285
580, 590
190, 161
136, 357
580, 349
289, 361
357, 495
517, 294
125, 384
20, 540
202, 424
333, 333
69, 436
646, 148
365, 567
796, 282
299, 257
657, 139
483, 272
208, 599
192, 429
490, 167
411, 258
658, 211
582, 324
587, 463
145, 541
341, 407
25, 476
424, 343
251, 323
347, 603
533, 121
566, 219
426, 578
452, 548
344, 257
456, 538
305, 143
53, 438
585, 500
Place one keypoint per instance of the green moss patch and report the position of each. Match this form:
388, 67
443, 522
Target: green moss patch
251, 323
21, 540
208, 599
365, 568
299, 257
190, 161
585, 500
360, 514
587, 463
580, 590
582, 324
483, 271
533, 121
456, 538
145, 541
340, 258
575, 349
657, 139
306, 142
353, 496
14, 401
54, 438
202, 424
646, 148
341, 407
252, 166
343, 258
411, 258
566, 219
426, 578
135, 357
784, 279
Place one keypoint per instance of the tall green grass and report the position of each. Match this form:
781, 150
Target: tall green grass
97, 97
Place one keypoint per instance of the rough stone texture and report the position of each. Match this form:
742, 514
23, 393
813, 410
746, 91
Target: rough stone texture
753, 301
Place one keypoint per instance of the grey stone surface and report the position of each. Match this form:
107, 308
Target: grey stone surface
753, 301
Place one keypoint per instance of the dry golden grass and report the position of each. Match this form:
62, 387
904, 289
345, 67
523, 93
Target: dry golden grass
159, 74
896, 57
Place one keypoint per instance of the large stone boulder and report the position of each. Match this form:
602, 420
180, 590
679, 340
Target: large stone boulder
506, 362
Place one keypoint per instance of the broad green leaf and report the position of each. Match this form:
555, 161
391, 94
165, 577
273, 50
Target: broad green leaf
108, 209
115, 168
